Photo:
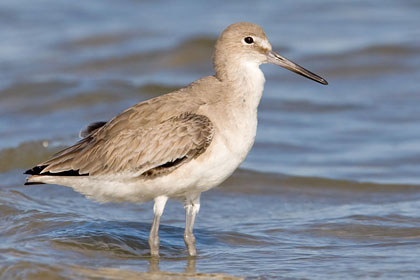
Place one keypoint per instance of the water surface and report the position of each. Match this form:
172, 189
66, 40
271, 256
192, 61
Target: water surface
330, 189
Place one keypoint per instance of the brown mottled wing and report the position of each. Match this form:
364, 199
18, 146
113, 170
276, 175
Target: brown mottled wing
146, 151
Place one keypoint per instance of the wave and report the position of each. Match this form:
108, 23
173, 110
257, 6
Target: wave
26, 155
189, 52
58, 95
370, 60
249, 181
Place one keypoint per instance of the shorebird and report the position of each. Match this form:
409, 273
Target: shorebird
177, 145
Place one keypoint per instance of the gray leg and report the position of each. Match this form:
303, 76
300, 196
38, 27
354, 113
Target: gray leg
154, 242
192, 206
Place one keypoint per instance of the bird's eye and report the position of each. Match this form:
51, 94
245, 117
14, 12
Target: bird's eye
249, 40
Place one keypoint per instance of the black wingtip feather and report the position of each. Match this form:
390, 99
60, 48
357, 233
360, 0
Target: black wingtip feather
35, 170
33, 183
38, 169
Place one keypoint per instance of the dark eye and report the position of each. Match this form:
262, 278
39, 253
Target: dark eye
249, 40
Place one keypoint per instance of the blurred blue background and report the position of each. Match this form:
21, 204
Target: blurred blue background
64, 64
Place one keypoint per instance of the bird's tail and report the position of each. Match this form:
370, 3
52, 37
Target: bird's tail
34, 180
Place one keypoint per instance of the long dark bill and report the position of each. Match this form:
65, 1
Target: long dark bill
277, 59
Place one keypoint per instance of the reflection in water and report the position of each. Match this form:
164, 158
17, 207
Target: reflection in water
112, 273
154, 265
189, 265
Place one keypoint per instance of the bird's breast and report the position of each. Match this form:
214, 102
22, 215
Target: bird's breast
226, 152
241, 135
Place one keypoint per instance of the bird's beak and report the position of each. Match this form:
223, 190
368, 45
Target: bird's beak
277, 59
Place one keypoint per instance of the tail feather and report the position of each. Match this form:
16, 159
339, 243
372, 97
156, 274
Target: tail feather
34, 180
37, 170
33, 183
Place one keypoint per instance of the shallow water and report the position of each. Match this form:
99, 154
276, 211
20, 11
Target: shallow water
330, 189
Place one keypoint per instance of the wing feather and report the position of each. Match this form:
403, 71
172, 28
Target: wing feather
149, 151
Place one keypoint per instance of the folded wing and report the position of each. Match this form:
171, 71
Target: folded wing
134, 151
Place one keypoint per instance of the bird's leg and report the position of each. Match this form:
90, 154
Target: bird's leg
192, 206
154, 242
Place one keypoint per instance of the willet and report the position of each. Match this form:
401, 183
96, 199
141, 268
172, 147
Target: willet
177, 145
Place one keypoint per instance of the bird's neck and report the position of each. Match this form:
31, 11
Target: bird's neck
245, 85
246, 81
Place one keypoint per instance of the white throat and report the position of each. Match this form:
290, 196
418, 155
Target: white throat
252, 84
